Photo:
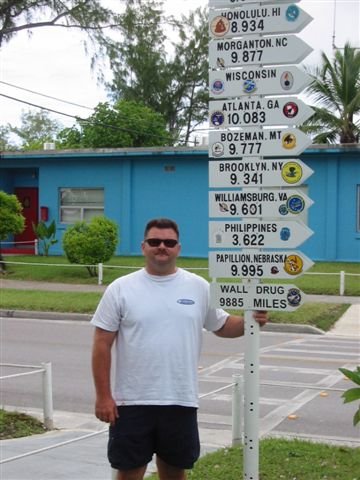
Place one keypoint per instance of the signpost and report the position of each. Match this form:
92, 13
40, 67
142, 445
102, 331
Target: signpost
252, 264
253, 19
258, 111
254, 142
283, 298
257, 172
251, 47
257, 234
257, 81
257, 50
251, 202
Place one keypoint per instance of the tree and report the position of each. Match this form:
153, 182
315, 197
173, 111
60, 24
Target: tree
125, 124
5, 142
91, 243
89, 16
336, 89
36, 129
12, 221
175, 86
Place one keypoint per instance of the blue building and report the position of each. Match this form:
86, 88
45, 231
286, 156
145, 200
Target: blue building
132, 186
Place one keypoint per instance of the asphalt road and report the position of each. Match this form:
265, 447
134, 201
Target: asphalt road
299, 377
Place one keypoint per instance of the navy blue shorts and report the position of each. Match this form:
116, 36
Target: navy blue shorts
140, 431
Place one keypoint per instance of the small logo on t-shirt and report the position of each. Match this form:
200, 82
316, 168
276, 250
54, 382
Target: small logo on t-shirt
185, 301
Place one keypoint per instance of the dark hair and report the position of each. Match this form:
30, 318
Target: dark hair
161, 223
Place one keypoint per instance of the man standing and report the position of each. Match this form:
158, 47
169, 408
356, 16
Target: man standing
156, 315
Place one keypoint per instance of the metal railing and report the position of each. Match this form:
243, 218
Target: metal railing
100, 269
47, 397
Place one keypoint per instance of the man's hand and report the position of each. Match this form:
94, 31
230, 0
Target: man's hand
261, 316
106, 410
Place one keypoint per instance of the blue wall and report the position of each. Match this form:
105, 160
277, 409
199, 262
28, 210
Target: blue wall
144, 183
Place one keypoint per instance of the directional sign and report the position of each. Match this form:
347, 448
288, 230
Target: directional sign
258, 111
238, 3
257, 50
285, 298
253, 19
254, 172
252, 264
256, 203
260, 81
257, 234
250, 142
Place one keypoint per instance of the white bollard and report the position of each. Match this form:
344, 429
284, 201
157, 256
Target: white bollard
342, 282
47, 397
237, 409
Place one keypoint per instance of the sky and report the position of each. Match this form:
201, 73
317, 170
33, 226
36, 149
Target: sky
53, 61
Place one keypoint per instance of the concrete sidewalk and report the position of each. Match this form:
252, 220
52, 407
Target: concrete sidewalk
76, 450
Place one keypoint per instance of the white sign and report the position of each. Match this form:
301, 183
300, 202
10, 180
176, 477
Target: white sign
252, 264
255, 172
239, 3
248, 111
285, 298
254, 142
258, 234
260, 81
253, 19
256, 203
257, 50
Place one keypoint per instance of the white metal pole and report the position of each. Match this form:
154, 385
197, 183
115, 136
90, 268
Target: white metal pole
100, 273
342, 282
237, 409
47, 397
251, 393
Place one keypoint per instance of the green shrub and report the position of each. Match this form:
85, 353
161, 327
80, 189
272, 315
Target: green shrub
91, 243
352, 394
46, 236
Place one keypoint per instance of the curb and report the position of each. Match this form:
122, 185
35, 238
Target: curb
45, 315
269, 327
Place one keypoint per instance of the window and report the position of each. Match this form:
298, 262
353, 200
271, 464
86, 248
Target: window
80, 204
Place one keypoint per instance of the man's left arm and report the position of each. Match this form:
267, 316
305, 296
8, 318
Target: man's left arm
234, 325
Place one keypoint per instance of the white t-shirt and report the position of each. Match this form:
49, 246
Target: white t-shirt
159, 320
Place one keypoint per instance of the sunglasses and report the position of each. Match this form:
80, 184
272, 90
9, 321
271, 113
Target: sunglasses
156, 242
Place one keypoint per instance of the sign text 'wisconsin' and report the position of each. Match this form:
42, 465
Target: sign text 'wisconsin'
257, 50
253, 19
250, 142
259, 81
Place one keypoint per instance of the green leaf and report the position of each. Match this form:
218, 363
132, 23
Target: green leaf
354, 376
351, 395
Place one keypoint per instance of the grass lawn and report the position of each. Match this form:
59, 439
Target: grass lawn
282, 459
15, 425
